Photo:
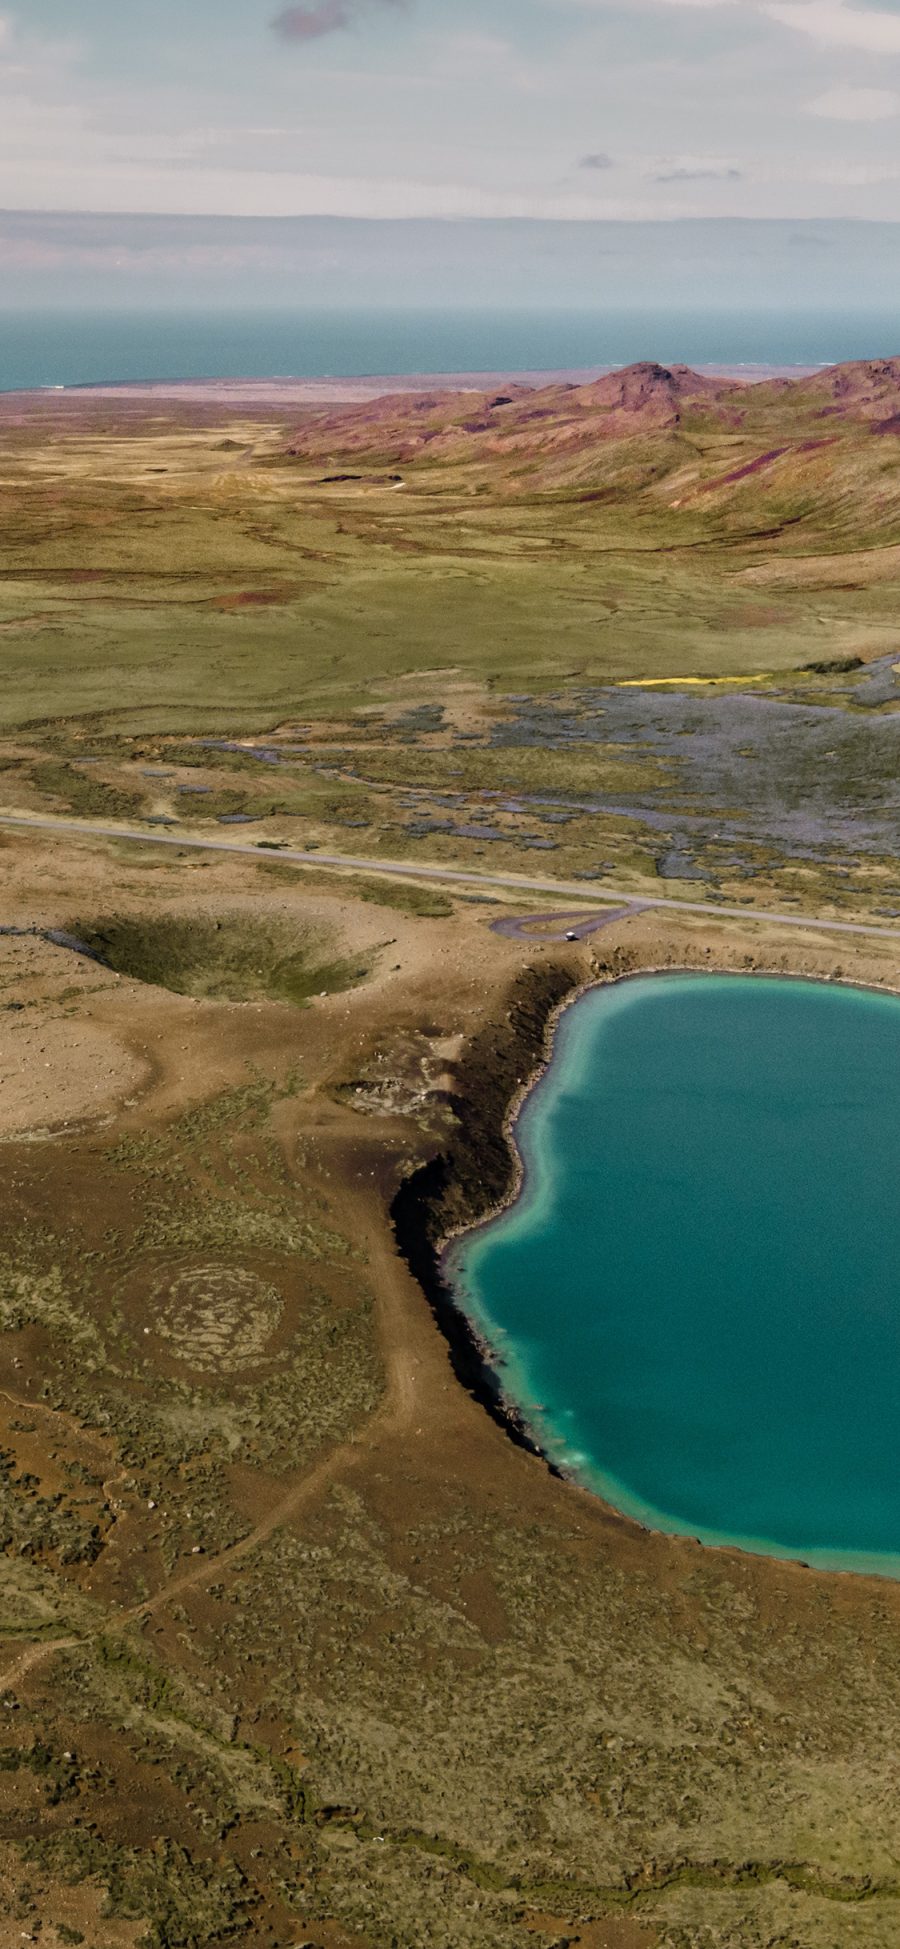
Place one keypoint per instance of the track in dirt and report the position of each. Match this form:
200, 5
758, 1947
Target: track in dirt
394, 1414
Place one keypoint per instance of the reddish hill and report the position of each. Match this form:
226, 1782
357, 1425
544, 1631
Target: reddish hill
564, 430
863, 389
657, 393
643, 397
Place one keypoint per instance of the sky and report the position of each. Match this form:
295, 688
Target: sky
563, 111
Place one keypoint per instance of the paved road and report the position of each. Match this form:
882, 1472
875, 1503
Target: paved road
561, 927
444, 875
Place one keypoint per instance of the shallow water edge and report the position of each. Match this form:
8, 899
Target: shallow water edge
475, 1176
452, 1197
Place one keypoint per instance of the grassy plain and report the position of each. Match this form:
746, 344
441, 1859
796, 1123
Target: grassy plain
160, 574
434, 609
296, 1646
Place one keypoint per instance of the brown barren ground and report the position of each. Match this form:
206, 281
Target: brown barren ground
380, 1677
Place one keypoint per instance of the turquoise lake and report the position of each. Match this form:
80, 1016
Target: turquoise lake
695, 1301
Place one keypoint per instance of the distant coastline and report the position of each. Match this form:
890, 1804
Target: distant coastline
402, 347
356, 391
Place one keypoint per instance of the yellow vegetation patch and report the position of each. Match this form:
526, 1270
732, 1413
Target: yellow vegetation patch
660, 683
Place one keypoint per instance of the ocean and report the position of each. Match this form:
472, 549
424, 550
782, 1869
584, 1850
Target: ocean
55, 348
694, 1299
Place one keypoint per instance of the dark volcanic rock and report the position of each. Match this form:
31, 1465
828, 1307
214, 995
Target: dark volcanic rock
475, 1171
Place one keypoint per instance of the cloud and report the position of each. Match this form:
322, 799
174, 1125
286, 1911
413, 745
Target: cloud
311, 23
700, 173
834, 24
315, 19
856, 105
600, 160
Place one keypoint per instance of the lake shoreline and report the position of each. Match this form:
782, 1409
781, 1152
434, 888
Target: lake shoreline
426, 1236
527, 1089
498, 1068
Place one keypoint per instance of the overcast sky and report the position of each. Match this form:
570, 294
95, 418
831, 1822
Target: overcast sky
549, 108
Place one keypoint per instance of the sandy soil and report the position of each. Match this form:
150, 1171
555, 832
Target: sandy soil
77, 1040
60, 1060
75, 1911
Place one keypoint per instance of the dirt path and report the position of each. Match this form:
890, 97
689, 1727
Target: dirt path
34, 1654
395, 1414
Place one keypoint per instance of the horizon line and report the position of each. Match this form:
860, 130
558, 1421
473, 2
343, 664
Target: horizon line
446, 221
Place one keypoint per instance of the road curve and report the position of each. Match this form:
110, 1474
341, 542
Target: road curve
561, 927
444, 875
